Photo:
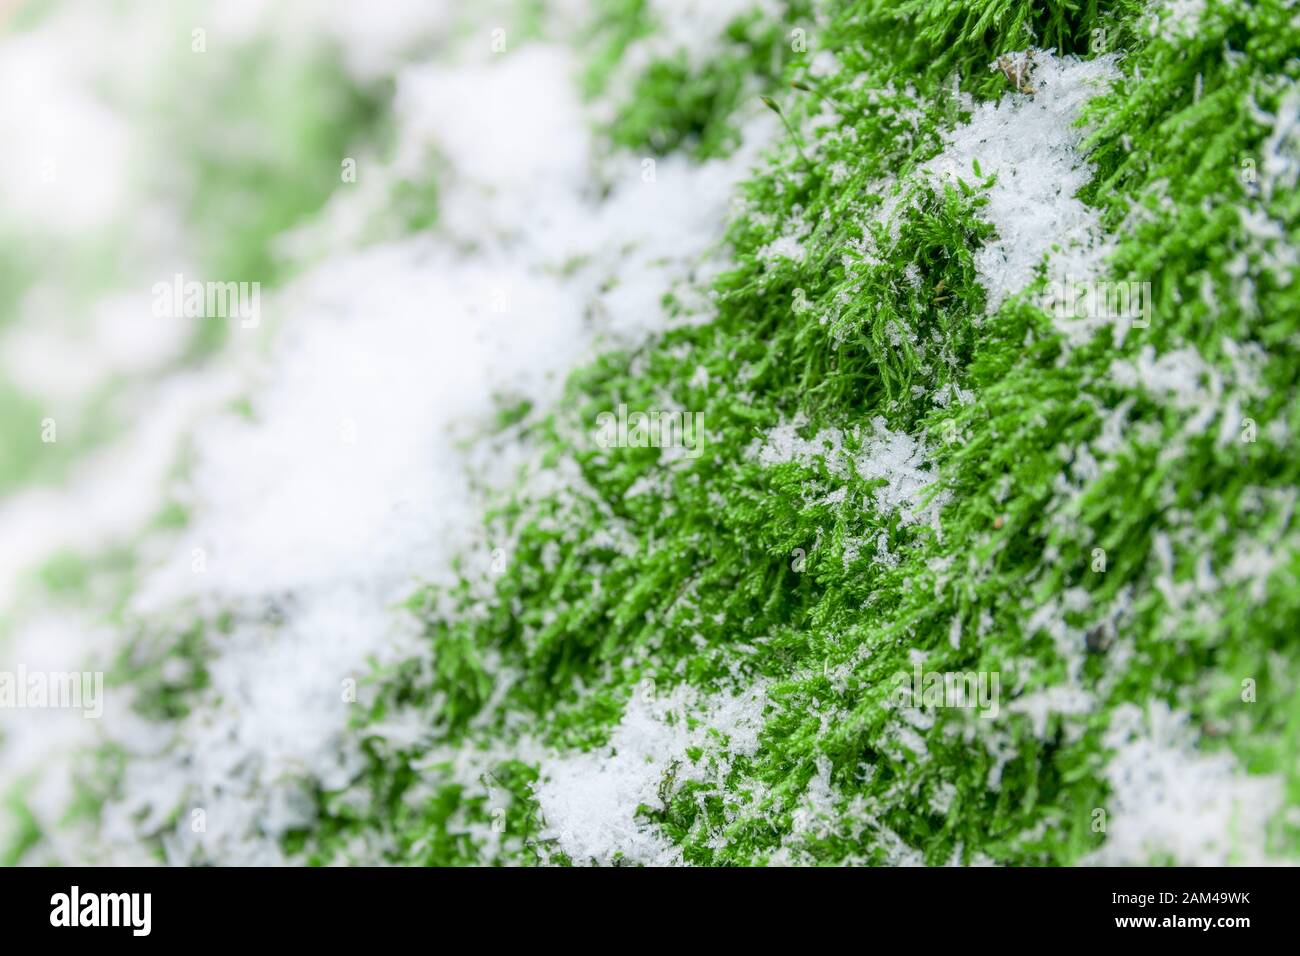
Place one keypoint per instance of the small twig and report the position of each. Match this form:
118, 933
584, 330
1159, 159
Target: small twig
798, 143
1017, 70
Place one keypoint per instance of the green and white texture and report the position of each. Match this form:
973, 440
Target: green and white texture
369, 588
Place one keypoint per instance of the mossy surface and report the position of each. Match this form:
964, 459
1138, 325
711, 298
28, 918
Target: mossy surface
721, 571
902, 471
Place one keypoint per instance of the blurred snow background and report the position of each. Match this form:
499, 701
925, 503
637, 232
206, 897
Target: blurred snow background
280, 488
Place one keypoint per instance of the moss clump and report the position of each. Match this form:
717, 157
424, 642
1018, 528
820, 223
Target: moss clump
676, 104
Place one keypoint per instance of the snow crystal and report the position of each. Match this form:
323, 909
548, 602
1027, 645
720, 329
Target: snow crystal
692, 27
1280, 155
1183, 379
1180, 377
1058, 699
824, 63
902, 461
783, 444
66, 150
785, 247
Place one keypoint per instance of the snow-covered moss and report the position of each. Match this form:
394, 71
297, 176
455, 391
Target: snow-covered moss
1092, 529
955, 575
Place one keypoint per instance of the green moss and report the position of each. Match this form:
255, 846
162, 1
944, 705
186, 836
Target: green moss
620, 566
615, 25
165, 670
721, 571
675, 104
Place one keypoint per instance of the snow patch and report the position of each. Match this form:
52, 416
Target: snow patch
590, 800
1169, 799
897, 459
1031, 142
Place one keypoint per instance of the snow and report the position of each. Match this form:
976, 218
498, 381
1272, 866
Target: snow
903, 462
783, 444
590, 799
1169, 798
61, 362
114, 492
1280, 154
1030, 142
1180, 18
693, 26
783, 247
1182, 379
66, 150
1059, 699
